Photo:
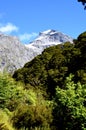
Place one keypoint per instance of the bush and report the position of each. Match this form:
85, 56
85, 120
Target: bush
70, 106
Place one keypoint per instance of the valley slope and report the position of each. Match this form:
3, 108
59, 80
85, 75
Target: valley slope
14, 54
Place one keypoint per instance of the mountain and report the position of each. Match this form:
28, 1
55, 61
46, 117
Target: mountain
14, 54
49, 38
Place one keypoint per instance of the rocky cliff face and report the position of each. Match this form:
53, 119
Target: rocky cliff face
14, 54
49, 38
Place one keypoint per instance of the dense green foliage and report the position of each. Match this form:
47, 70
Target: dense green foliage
50, 69
48, 93
5, 123
21, 108
70, 106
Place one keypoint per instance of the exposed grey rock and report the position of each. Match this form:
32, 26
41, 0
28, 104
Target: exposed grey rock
49, 38
14, 54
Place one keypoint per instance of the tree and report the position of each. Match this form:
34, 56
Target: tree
11, 93
70, 106
37, 113
83, 2
5, 123
7, 87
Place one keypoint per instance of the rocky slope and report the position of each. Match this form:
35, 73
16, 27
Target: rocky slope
14, 54
49, 38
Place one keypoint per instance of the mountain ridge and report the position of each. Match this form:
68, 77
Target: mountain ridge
14, 54
49, 38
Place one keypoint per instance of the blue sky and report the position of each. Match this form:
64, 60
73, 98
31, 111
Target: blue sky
26, 18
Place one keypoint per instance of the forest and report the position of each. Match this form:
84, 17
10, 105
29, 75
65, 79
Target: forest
49, 92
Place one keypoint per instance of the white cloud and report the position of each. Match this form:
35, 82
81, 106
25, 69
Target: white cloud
27, 37
8, 28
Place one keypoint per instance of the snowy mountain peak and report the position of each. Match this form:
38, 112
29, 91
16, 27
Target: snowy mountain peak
14, 54
53, 36
49, 38
48, 32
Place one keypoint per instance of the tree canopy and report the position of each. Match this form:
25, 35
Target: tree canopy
83, 2
70, 106
49, 92
48, 70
